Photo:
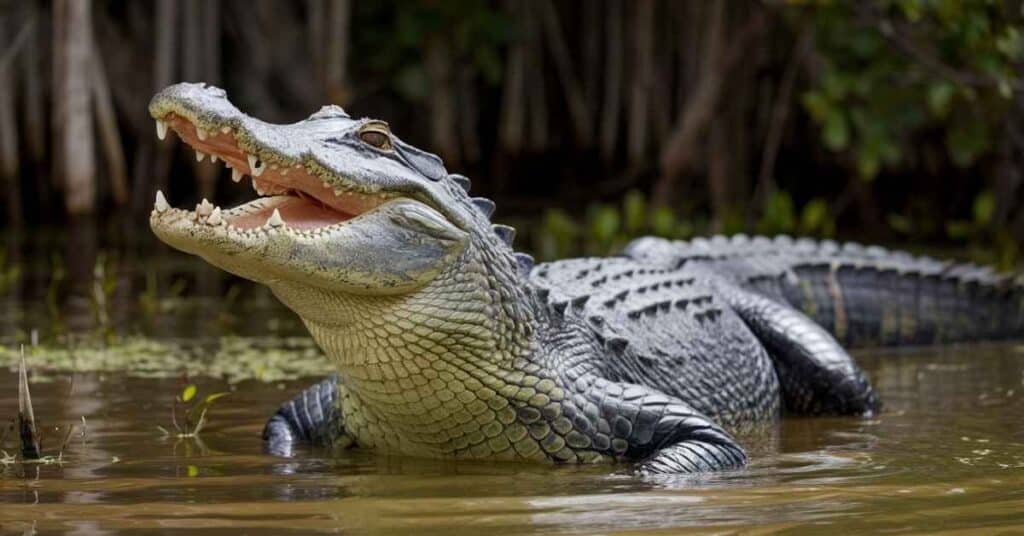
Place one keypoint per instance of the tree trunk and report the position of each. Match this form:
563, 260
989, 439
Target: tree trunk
337, 50
643, 67
718, 175
109, 134
76, 148
612, 80
9, 161
315, 33
211, 41
444, 131
780, 113
163, 75
682, 146
563, 68
536, 85
33, 105
513, 113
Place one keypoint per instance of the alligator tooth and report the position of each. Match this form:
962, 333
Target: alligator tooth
214, 218
161, 129
225, 130
200, 156
253, 169
161, 202
201, 134
275, 219
204, 208
256, 187
213, 158
284, 171
236, 175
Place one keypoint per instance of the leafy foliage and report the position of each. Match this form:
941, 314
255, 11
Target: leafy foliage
605, 228
893, 70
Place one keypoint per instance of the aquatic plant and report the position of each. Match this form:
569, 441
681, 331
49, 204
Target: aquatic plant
30, 439
192, 409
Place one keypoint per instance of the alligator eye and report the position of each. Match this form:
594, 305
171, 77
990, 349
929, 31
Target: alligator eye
377, 135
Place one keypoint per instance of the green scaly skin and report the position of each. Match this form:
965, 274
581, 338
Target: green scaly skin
448, 344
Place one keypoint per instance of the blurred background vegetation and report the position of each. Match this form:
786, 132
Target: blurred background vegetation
588, 121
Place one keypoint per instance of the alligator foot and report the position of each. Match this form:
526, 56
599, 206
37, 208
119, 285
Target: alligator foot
657, 432
310, 417
816, 374
694, 457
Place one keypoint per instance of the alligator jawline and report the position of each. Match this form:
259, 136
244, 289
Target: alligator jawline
300, 199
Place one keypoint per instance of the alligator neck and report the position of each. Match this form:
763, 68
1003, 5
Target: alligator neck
440, 354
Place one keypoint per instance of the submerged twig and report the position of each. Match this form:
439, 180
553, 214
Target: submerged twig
30, 448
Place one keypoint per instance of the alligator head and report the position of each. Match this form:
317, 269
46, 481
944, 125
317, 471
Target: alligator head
348, 219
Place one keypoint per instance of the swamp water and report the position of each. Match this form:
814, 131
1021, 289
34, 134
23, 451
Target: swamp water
946, 455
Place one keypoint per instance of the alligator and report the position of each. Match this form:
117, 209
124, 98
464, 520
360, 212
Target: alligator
449, 344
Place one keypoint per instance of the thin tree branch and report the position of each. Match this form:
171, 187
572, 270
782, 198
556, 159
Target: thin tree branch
780, 114
680, 149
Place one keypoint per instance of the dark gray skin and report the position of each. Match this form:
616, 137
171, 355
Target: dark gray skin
680, 338
450, 344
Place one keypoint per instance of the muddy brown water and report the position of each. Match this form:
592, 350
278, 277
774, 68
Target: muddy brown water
946, 455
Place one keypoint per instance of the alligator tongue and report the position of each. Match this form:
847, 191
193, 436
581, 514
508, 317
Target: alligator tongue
297, 213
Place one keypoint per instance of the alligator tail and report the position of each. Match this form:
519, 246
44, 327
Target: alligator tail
903, 301
863, 295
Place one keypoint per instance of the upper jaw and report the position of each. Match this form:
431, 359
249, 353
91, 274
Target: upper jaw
324, 145
325, 150
280, 159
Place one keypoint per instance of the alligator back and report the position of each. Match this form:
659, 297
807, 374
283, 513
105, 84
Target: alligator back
865, 296
663, 328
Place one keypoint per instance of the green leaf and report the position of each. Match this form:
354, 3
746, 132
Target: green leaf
814, 216
911, 9
967, 141
837, 130
634, 208
413, 83
200, 410
817, 105
211, 398
958, 229
901, 223
868, 162
604, 223
779, 215
1011, 44
940, 96
188, 393
1005, 89
984, 207
663, 222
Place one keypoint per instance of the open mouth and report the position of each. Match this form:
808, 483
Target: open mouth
290, 195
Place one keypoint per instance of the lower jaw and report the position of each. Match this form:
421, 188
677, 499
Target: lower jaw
260, 217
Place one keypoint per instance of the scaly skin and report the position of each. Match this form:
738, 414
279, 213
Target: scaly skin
448, 344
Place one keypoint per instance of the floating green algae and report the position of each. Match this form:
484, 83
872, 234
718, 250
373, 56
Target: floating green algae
231, 358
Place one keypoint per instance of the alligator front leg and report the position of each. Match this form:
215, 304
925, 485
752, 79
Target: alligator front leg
313, 416
816, 374
660, 434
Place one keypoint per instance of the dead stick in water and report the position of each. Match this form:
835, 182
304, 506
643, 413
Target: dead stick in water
30, 449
